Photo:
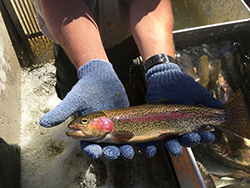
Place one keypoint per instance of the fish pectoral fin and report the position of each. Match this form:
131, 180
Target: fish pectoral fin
122, 136
167, 135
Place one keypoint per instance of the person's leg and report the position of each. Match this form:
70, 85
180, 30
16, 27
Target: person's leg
152, 26
131, 75
66, 74
74, 28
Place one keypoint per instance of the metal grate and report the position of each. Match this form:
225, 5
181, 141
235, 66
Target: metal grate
25, 12
31, 46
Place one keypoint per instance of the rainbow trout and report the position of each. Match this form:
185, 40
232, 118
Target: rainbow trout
152, 122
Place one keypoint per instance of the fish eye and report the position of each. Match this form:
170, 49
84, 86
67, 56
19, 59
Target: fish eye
84, 121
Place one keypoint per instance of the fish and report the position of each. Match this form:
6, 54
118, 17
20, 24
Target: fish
186, 64
214, 71
223, 91
228, 68
203, 71
159, 120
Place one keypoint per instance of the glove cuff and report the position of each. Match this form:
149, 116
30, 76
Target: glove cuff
96, 67
163, 68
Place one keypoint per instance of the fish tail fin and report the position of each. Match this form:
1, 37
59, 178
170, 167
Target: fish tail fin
238, 111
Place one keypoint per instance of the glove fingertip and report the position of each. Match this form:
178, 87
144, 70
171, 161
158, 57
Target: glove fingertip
174, 147
45, 123
111, 152
150, 148
151, 151
93, 151
127, 152
207, 137
190, 139
51, 119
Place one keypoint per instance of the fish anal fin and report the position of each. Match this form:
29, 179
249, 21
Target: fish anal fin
122, 136
204, 128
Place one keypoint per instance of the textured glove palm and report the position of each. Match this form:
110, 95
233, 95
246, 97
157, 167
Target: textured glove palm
98, 88
166, 81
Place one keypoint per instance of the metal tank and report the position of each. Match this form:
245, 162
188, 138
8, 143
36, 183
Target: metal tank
211, 39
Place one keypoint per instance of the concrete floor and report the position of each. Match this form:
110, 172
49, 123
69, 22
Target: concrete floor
10, 112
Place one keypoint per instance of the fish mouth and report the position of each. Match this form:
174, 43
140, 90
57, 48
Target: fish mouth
73, 128
77, 132
74, 133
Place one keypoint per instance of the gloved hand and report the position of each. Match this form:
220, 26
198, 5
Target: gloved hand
167, 81
98, 88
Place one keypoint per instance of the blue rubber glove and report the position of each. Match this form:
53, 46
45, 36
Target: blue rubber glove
166, 81
98, 88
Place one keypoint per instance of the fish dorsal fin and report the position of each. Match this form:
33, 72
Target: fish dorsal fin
236, 98
122, 136
159, 101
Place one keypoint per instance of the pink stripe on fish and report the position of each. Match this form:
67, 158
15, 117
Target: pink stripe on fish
156, 117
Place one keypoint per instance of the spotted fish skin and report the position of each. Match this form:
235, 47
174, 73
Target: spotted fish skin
152, 122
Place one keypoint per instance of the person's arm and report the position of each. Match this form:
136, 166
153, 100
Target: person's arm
98, 88
152, 26
72, 25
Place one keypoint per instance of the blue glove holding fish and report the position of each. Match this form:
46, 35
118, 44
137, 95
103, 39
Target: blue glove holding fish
166, 81
98, 88
95, 79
